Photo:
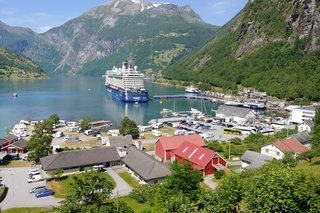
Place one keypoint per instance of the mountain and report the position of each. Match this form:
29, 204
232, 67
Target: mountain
17, 66
152, 35
272, 46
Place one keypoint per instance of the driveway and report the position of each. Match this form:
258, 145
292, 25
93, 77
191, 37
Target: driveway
209, 182
18, 190
122, 187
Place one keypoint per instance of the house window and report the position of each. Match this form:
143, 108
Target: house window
278, 153
267, 150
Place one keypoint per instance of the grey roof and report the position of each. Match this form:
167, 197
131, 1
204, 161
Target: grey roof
255, 159
302, 137
22, 144
144, 165
310, 123
233, 111
120, 141
3, 142
11, 137
311, 108
80, 158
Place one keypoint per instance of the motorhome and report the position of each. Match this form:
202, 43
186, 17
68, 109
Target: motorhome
156, 133
145, 128
59, 134
114, 132
157, 125
180, 132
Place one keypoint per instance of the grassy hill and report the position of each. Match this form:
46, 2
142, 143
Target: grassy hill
16, 66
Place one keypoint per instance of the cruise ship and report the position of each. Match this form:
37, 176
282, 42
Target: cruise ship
126, 84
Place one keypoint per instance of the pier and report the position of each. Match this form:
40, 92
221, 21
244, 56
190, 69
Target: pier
190, 97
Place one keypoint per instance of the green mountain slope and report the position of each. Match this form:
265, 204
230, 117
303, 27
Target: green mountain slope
152, 35
16, 66
272, 46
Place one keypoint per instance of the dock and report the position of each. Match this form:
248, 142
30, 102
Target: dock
190, 97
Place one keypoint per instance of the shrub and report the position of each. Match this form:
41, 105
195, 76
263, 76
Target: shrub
219, 174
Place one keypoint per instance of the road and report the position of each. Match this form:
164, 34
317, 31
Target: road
122, 187
18, 190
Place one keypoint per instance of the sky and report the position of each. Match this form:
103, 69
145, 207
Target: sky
41, 15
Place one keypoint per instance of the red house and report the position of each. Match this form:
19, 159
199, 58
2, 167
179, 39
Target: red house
205, 160
165, 145
19, 146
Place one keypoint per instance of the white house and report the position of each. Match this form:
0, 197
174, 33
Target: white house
306, 126
235, 114
302, 113
279, 148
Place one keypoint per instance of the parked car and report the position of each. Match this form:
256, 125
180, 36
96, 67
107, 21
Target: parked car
44, 193
33, 172
12, 156
34, 178
95, 132
37, 189
100, 167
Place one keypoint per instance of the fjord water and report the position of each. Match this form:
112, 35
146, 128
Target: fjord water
73, 98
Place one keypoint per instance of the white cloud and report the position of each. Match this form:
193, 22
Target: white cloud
43, 29
221, 6
9, 11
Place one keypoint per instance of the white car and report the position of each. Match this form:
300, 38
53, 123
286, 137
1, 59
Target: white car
34, 172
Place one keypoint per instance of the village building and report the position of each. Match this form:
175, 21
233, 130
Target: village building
299, 114
144, 167
77, 161
235, 114
205, 160
279, 148
19, 146
254, 160
304, 138
7, 140
306, 126
165, 145
122, 143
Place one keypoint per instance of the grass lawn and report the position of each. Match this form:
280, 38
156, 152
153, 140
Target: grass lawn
137, 207
148, 147
149, 135
62, 186
82, 144
312, 168
16, 163
130, 180
29, 210
167, 130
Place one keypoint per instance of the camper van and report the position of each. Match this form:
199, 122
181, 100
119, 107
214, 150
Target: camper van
157, 125
59, 134
114, 132
156, 133
180, 132
145, 128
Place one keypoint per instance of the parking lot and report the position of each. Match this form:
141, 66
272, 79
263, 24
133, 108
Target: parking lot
18, 190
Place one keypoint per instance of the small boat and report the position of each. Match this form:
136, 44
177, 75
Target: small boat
233, 103
14, 94
165, 111
192, 89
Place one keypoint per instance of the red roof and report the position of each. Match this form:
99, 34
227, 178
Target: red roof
173, 142
290, 145
195, 154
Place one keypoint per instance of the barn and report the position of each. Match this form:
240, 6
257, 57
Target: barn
205, 160
165, 145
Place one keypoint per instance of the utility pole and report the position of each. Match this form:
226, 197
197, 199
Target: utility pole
229, 148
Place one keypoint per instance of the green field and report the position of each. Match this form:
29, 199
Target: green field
129, 179
30, 210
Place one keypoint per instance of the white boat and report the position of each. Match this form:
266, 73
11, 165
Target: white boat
233, 103
165, 111
192, 89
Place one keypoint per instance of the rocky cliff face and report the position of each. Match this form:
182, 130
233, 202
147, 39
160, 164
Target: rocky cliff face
297, 19
154, 35
270, 45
